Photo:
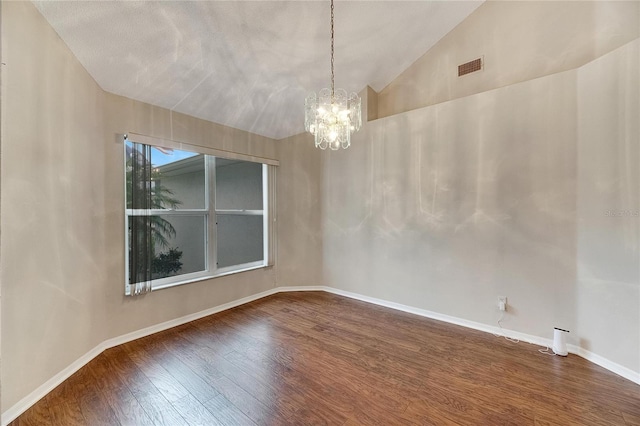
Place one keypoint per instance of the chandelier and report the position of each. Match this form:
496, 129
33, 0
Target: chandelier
332, 116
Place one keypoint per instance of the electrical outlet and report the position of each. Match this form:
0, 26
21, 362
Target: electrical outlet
502, 303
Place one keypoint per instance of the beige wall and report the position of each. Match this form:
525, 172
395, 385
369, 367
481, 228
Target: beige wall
53, 205
608, 249
300, 210
520, 41
62, 266
447, 207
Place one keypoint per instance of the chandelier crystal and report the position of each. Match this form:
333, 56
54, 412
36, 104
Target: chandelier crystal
332, 116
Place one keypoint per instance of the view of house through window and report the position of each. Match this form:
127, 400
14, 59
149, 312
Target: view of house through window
191, 215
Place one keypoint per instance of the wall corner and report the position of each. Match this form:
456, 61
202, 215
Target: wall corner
369, 104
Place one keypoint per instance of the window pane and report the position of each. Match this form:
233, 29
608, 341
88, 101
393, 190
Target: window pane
179, 245
240, 239
238, 185
178, 179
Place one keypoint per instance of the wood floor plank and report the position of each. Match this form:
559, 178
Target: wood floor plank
114, 390
38, 416
313, 358
209, 365
258, 412
171, 360
156, 406
97, 411
226, 412
170, 388
67, 414
195, 413
93, 405
64, 408
631, 419
460, 408
307, 409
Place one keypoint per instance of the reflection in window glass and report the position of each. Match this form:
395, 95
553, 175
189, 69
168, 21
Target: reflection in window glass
238, 185
174, 246
180, 247
178, 179
240, 239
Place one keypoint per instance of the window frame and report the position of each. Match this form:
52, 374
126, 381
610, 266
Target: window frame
209, 213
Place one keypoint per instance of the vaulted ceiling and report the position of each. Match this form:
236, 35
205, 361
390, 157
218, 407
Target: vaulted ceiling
247, 64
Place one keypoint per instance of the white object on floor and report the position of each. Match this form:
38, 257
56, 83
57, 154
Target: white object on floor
560, 341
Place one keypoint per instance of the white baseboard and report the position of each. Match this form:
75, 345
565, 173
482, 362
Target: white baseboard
26, 402
185, 319
603, 362
304, 288
445, 318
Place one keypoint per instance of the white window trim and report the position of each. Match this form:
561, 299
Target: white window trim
167, 212
197, 276
268, 185
240, 212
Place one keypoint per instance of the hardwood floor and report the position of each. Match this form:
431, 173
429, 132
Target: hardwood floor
316, 358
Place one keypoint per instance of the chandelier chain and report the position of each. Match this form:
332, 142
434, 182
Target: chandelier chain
332, 71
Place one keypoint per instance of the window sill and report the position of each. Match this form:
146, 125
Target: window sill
205, 277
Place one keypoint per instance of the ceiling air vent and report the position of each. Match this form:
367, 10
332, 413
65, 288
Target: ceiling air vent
469, 67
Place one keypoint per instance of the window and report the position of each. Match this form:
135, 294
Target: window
191, 216
239, 212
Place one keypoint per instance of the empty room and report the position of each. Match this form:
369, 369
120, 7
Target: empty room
324, 212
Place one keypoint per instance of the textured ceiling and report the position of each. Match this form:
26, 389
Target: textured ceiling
247, 64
